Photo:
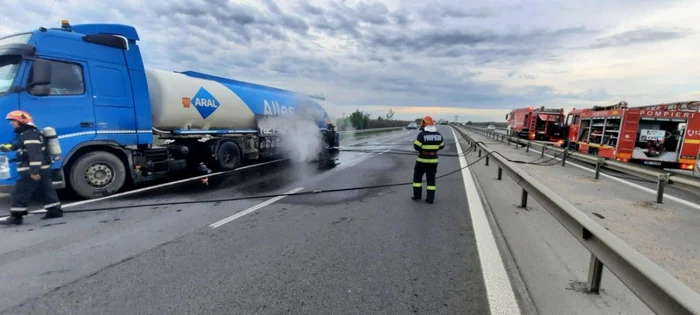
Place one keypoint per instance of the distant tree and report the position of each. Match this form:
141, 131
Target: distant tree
469, 122
390, 114
359, 119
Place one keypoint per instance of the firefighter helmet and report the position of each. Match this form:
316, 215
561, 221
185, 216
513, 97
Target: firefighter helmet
428, 121
21, 117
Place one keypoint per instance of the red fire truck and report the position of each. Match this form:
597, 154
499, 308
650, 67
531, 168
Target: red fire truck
665, 135
536, 123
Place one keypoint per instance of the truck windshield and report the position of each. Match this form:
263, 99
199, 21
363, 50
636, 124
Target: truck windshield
16, 39
8, 70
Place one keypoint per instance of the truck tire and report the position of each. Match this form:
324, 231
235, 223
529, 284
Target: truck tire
228, 156
97, 174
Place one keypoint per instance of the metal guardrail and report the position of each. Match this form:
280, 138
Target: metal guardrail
659, 290
662, 177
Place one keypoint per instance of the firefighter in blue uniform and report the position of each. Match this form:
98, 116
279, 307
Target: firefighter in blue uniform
34, 168
428, 143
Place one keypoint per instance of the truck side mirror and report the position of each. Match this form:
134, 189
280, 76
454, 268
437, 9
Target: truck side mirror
41, 78
41, 73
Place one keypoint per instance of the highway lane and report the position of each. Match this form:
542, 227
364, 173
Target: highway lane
78, 234
369, 251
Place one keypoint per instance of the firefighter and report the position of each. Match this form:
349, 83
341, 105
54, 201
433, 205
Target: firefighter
34, 168
428, 143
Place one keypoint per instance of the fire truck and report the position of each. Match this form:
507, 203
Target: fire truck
663, 136
536, 123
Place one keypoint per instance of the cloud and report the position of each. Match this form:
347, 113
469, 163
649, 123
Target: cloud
641, 36
465, 55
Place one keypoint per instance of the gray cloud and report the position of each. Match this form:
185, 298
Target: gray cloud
641, 36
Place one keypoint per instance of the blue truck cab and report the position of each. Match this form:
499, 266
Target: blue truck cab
89, 83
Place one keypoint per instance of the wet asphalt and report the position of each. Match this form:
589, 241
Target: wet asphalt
365, 251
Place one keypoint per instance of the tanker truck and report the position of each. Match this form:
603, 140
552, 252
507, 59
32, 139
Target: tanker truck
120, 124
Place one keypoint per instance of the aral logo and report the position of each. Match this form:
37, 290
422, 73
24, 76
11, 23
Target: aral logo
205, 103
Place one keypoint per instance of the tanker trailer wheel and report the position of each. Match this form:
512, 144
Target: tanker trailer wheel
228, 156
97, 174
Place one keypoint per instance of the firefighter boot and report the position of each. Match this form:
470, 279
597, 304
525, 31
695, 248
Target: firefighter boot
430, 195
417, 191
12, 220
52, 213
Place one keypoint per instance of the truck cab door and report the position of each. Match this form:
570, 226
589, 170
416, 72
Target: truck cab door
567, 125
68, 108
574, 128
113, 103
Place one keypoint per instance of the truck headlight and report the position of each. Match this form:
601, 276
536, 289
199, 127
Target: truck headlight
4, 167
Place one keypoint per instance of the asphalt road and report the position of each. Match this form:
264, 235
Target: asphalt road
367, 251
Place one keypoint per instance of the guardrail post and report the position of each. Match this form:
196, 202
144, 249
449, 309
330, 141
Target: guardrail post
662, 180
563, 159
500, 173
487, 160
523, 199
543, 147
595, 274
479, 152
527, 147
598, 164
517, 143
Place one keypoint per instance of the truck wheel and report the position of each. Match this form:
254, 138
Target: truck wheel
228, 156
97, 174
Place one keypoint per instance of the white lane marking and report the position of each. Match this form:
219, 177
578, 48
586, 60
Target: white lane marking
126, 193
253, 208
633, 185
498, 287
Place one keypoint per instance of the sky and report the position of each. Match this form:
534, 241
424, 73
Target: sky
477, 60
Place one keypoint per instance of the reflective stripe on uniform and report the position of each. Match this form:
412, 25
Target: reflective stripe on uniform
17, 209
431, 187
31, 142
22, 169
418, 143
417, 184
430, 147
35, 163
429, 161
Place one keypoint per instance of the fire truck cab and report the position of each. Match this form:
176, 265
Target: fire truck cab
536, 123
664, 136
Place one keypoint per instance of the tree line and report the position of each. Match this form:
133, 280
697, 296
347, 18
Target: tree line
360, 120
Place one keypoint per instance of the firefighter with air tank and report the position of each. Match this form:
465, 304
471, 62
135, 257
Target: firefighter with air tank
428, 143
35, 150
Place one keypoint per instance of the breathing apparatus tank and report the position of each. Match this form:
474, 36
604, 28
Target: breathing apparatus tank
51, 141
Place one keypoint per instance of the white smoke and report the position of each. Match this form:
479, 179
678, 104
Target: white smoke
301, 138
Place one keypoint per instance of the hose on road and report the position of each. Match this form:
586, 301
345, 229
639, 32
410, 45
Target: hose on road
311, 192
